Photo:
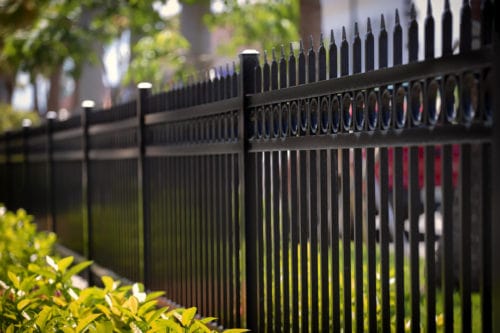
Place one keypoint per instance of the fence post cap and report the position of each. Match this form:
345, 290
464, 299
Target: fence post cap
144, 85
26, 123
51, 115
88, 103
249, 51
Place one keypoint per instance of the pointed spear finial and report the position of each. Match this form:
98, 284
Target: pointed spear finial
413, 12
397, 17
234, 67
221, 72
311, 42
265, 56
227, 69
356, 30
321, 43
332, 37
274, 54
291, 49
382, 22
446, 5
282, 51
301, 48
429, 8
343, 34
368, 26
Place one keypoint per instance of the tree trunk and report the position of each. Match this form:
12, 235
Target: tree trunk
35, 92
7, 84
197, 33
54, 89
310, 22
75, 103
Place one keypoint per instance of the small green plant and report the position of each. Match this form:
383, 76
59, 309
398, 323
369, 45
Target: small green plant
37, 294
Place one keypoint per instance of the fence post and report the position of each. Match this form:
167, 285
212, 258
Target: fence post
87, 107
249, 59
144, 91
495, 177
26, 192
8, 188
51, 216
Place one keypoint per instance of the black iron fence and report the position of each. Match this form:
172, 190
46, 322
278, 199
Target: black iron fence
292, 196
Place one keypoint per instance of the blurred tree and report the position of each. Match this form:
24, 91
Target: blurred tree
62, 30
262, 25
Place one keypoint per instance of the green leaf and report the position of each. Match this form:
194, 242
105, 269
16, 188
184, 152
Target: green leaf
42, 317
64, 263
197, 326
24, 303
187, 316
132, 304
145, 307
104, 327
207, 320
153, 316
108, 283
83, 323
14, 279
154, 295
76, 269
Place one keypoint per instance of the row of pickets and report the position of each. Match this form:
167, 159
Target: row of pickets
212, 86
222, 83
273, 76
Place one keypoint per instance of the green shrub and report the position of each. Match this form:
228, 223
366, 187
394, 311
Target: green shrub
11, 118
37, 294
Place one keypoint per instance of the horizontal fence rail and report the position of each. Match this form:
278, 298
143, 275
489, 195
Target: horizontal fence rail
316, 191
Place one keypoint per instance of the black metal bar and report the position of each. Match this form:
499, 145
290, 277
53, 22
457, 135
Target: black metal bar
346, 238
268, 254
413, 35
259, 222
285, 233
144, 226
430, 239
203, 110
399, 237
358, 238
465, 250
413, 214
26, 165
446, 22
410, 136
332, 52
485, 285
294, 222
356, 51
302, 172
248, 235
333, 200
322, 206
277, 232
371, 238
86, 197
447, 250
313, 218
51, 217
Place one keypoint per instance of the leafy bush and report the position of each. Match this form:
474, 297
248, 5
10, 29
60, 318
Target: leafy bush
37, 294
11, 118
